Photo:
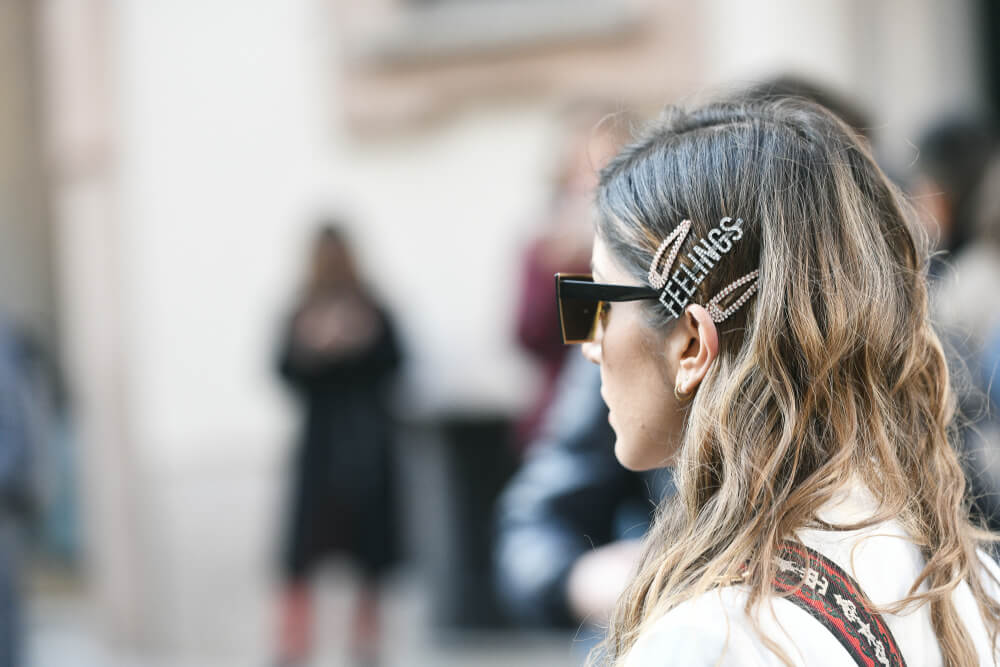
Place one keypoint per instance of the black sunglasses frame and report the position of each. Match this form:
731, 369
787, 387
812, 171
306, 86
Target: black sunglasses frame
581, 288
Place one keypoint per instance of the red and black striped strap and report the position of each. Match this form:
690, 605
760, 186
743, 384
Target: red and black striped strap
833, 598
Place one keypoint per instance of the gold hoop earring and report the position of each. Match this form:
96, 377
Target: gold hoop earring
682, 398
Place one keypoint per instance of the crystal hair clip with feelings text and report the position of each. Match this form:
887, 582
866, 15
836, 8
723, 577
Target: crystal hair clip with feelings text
678, 285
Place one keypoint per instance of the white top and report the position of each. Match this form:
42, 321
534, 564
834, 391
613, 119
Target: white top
713, 629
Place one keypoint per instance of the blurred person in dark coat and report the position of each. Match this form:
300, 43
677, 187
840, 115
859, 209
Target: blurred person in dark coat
338, 353
571, 509
569, 522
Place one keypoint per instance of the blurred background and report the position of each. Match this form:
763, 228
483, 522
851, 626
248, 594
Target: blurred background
164, 168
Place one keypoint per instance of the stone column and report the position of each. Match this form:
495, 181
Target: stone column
79, 121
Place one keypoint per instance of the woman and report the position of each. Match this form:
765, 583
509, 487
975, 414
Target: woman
760, 322
339, 350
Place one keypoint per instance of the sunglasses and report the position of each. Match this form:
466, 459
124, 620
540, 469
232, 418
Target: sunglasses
581, 302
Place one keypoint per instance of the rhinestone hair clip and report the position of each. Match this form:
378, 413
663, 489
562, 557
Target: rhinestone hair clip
658, 278
716, 311
678, 285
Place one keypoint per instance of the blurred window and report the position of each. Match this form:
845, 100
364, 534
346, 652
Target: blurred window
436, 29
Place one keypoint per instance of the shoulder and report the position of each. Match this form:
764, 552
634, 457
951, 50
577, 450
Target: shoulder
696, 632
714, 629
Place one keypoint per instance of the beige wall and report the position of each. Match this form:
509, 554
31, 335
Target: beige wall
26, 289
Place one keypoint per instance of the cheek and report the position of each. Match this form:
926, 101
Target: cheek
655, 408
644, 413
649, 440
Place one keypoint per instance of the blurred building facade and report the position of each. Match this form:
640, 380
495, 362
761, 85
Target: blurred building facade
166, 162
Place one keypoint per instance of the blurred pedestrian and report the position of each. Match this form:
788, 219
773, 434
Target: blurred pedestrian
339, 351
758, 310
952, 155
569, 522
595, 132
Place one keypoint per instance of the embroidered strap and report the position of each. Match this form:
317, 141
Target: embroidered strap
833, 598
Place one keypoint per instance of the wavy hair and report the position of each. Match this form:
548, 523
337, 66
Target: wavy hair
831, 372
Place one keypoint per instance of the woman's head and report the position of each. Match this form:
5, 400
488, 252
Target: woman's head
331, 262
830, 372
839, 268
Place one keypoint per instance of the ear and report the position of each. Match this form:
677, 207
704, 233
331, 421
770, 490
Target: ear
699, 346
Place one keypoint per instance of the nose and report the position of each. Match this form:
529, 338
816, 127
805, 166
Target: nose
591, 350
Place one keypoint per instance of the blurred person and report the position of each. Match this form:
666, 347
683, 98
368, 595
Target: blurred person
569, 522
967, 313
951, 157
21, 435
758, 311
571, 508
339, 351
595, 132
